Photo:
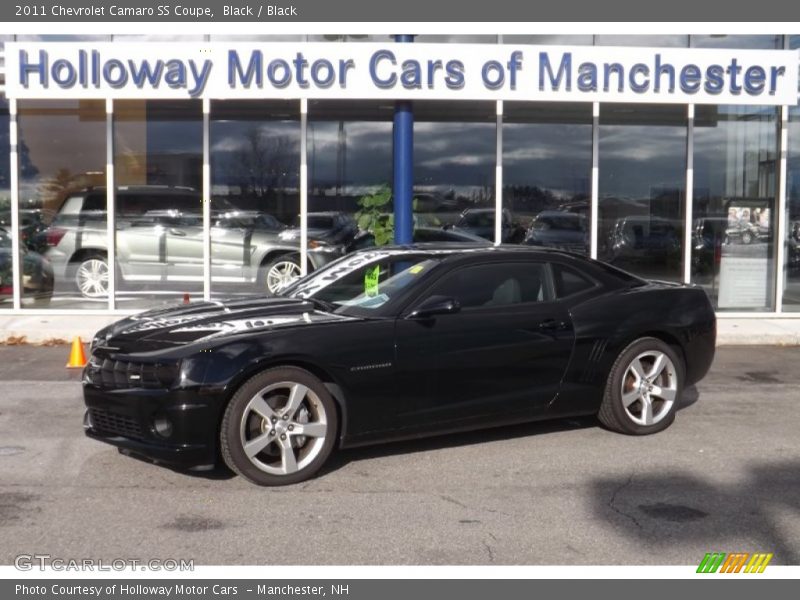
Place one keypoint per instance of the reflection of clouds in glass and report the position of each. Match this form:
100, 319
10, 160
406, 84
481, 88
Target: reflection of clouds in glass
144, 37
556, 158
640, 161
528, 142
793, 163
458, 39
63, 38
232, 136
640, 143
737, 155
653, 41
737, 41
362, 156
552, 40
460, 160
454, 154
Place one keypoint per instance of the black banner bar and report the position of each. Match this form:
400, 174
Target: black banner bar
443, 11
391, 589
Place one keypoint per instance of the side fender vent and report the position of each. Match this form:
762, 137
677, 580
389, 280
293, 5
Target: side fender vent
593, 360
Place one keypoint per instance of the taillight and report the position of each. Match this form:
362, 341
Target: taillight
54, 235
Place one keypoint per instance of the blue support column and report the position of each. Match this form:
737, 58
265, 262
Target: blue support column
403, 148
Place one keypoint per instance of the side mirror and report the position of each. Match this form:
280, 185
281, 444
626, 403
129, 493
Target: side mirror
435, 305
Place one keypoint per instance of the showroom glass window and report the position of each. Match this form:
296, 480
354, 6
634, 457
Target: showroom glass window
547, 171
653, 41
255, 190
791, 267
6, 234
455, 153
158, 164
62, 161
791, 272
735, 186
349, 175
641, 188
749, 42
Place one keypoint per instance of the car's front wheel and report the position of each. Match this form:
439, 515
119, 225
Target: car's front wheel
643, 389
279, 428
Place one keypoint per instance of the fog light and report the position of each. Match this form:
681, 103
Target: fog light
163, 426
87, 420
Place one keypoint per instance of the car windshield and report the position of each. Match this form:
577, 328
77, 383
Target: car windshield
364, 283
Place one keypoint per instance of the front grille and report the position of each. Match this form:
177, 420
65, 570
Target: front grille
121, 374
109, 422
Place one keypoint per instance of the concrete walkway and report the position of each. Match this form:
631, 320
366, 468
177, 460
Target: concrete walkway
52, 329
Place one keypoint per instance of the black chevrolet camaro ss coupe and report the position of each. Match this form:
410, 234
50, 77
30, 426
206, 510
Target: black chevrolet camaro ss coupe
395, 343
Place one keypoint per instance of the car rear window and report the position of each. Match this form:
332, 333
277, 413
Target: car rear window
75, 205
569, 282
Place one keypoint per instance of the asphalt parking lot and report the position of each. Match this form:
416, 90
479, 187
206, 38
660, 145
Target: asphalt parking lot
725, 477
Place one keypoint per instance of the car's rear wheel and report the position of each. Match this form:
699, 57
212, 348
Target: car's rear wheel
279, 428
643, 389
91, 276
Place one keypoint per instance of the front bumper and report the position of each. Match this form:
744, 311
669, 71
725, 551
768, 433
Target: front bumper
176, 427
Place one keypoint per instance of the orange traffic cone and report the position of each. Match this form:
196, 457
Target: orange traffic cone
77, 357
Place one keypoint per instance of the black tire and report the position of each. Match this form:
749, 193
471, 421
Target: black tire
241, 424
276, 262
613, 413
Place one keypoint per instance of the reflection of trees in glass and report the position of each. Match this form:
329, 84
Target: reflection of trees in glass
50, 191
27, 170
264, 164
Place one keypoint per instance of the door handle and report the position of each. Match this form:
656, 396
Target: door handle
552, 325
177, 232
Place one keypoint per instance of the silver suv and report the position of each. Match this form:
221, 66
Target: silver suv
159, 233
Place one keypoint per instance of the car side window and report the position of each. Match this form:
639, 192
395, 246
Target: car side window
568, 282
496, 284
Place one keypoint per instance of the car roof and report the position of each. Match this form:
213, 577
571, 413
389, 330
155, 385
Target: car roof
139, 189
455, 253
470, 250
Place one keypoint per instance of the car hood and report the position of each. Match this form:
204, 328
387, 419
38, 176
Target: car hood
206, 321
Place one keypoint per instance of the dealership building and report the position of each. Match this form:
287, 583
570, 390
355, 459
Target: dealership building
210, 166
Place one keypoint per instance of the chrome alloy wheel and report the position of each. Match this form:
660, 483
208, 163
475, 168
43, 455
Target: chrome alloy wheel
649, 387
91, 278
283, 428
281, 274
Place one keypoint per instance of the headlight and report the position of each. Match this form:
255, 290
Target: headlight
100, 338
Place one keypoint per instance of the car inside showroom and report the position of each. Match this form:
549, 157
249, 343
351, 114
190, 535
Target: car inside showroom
668, 170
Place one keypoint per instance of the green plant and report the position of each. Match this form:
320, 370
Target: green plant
376, 216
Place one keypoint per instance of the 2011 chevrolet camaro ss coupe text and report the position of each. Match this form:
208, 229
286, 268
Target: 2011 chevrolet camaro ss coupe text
395, 343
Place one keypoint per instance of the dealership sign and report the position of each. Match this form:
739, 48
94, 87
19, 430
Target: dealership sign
400, 71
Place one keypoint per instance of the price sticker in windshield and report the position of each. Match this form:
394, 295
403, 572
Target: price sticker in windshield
371, 276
